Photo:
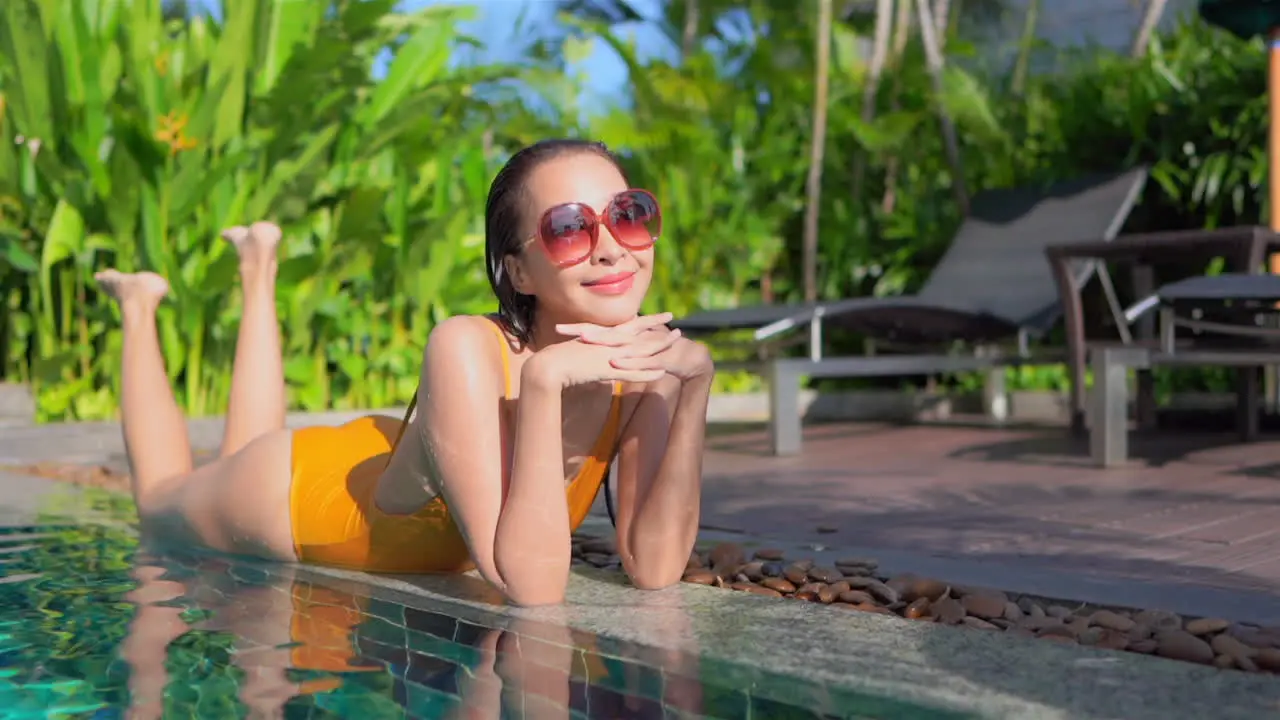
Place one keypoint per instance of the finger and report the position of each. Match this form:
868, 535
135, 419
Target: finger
575, 328
644, 322
637, 376
616, 337
640, 364
650, 346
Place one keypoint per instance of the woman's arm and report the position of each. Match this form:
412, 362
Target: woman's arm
531, 545
660, 478
516, 527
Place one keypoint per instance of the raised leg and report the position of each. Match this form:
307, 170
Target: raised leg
257, 404
155, 433
155, 625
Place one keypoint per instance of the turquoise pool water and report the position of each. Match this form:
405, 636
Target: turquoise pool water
93, 627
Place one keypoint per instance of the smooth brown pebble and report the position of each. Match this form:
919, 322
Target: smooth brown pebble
1140, 632
825, 574
1206, 626
839, 587
979, 623
1182, 645
768, 554
1059, 630
753, 570
883, 592
809, 596
778, 584
1158, 619
1146, 647
911, 587
1226, 662
948, 610
1268, 659
856, 597
726, 555
1112, 621
985, 604
1057, 611
796, 574
1039, 623
1031, 608
917, 609
700, 577
1112, 639
867, 607
1227, 645
766, 592
1012, 611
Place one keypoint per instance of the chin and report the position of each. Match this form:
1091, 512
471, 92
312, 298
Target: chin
610, 316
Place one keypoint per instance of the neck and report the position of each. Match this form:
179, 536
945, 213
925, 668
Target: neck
543, 333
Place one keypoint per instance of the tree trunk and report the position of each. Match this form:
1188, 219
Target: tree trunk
879, 54
901, 34
1020, 69
689, 36
813, 186
941, 18
933, 57
1150, 18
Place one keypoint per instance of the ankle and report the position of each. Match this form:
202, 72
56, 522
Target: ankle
258, 270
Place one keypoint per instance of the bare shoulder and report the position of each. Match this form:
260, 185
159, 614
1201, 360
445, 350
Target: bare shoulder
461, 347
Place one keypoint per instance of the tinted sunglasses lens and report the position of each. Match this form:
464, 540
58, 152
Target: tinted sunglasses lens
566, 234
635, 219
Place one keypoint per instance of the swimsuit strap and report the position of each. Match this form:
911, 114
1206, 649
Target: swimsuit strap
503, 352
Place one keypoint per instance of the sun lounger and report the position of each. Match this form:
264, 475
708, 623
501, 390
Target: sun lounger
993, 286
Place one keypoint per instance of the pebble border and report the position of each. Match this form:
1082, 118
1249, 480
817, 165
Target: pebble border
854, 584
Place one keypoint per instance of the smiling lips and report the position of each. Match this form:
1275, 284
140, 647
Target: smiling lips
615, 284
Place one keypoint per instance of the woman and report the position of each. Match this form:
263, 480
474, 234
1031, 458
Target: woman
516, 413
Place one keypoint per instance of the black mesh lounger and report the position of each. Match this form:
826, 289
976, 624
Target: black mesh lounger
992, 285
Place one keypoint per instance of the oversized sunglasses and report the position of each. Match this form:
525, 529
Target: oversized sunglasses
568, 233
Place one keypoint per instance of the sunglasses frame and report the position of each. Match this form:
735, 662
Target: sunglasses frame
594, 222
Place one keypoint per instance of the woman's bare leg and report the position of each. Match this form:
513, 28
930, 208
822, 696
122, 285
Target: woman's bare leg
257, 404
155, 625
155, 433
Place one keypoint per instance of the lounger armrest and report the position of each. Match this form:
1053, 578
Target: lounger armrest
1135, 311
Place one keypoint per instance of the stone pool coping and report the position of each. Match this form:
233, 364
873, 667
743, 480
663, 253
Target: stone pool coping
981, 674
984, 674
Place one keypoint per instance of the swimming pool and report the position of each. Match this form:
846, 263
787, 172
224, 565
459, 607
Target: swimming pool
94, 627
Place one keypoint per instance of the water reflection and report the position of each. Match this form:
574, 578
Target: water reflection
334, 648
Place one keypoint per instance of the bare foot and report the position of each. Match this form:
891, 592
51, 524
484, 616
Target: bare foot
256, 245
145, 287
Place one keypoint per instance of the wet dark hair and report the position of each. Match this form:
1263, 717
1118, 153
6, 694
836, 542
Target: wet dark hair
505, 223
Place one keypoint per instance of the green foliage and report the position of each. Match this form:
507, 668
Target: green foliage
130, 138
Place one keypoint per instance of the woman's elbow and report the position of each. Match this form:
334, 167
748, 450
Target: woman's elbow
654, 578
535, 597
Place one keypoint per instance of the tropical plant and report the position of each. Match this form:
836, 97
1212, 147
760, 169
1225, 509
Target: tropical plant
131, 141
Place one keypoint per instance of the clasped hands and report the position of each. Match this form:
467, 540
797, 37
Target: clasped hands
640, 350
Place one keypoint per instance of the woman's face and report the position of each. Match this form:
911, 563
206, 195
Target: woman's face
605, 288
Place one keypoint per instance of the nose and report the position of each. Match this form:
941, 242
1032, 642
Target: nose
608, 250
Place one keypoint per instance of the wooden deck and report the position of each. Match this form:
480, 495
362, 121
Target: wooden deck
1203, 509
